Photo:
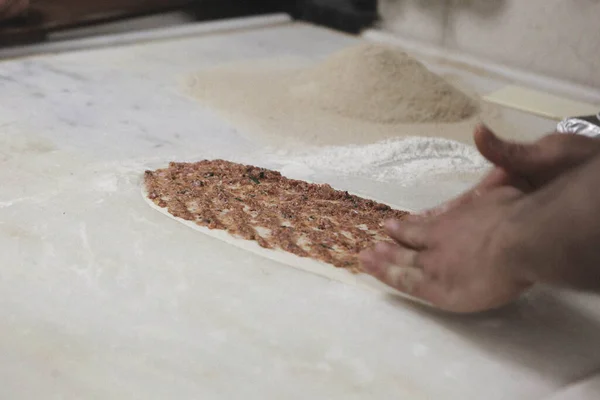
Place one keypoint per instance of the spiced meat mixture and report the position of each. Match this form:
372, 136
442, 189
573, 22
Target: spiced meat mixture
306, 219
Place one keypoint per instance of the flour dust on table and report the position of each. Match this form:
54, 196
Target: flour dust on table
360, 95
403, 161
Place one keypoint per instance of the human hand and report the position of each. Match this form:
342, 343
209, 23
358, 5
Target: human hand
12, 8
459, 261
467, 255
526, 167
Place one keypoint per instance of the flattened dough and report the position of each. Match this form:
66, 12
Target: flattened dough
302, 263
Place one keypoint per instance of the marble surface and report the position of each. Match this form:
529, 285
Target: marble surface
104, 298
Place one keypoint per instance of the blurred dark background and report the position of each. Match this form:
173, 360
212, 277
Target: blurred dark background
48, 16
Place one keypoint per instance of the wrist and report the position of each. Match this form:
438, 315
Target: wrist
557, 230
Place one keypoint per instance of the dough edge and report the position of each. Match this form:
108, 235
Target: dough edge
306, 264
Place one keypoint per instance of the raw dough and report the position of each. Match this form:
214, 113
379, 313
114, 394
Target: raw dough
253, 203
302, 263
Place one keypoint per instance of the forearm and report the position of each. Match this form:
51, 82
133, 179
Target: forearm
557, 230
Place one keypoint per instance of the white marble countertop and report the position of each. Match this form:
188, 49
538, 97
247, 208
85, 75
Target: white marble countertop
103, 298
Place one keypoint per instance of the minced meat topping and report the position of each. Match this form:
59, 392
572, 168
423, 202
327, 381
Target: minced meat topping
306, 219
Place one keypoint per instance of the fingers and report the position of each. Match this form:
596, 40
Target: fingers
441, 209
399, 268
563, 152
394, 254
540, 161
412, 234
511, 156
496, 178
393, 265
375, 260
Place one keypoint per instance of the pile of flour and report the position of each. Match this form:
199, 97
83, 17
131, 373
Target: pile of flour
381, 84
400, 160
363, 94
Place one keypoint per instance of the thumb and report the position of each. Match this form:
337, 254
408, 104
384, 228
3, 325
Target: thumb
538, 162
511, 156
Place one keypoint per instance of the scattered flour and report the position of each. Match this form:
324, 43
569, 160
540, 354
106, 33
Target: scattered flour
401, 160
106, 183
